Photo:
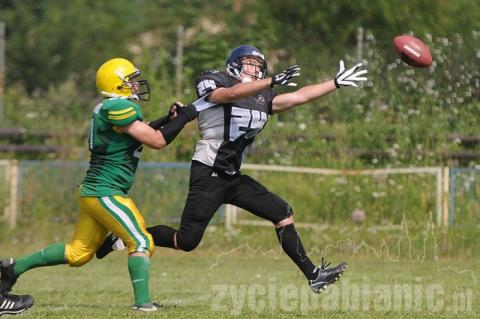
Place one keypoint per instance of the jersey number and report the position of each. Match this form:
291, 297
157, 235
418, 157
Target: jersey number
206, 86
245, 120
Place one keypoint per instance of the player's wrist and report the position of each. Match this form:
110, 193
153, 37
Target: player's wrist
189, 111
336, 83
156, 124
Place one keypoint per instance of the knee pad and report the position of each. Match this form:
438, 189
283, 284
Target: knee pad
76, 255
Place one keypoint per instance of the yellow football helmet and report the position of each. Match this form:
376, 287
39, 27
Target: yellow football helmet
119, 78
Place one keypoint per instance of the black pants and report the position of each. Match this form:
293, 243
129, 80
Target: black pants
210, 189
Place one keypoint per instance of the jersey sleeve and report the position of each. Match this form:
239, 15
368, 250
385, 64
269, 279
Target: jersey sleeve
269, 96
122, 112
210, 81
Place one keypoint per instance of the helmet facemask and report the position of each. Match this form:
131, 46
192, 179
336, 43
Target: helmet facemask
140, 88
253, 67
245, 63
238, 66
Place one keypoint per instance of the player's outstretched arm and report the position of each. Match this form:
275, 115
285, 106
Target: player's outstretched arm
351, 77
246, 89
160, 138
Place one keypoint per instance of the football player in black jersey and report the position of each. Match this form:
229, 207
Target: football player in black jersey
245, 98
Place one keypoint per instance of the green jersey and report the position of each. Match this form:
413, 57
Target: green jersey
114, 155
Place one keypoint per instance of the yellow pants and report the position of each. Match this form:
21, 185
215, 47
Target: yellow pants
98, 216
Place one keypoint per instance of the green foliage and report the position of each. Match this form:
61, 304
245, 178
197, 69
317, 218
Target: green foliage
385, 200
333, 25
407, 112
49, 41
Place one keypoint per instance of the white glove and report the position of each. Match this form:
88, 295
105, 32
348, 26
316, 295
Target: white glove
350, 77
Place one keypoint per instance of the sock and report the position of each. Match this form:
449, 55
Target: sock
292, 245
49, 256
163, 235
139, 268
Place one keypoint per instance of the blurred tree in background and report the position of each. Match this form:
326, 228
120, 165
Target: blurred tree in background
53, 48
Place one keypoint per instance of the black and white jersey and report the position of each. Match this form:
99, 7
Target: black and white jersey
229, 129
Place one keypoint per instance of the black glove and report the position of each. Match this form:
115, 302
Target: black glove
284, 78
189, 111
158, 123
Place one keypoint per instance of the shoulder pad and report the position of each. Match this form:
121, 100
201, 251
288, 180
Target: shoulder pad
118, 103
210, 72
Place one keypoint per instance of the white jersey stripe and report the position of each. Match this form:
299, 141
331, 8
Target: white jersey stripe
126, 219
202, 104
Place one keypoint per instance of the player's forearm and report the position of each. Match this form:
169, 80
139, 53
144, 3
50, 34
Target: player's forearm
311, 92
155, 140
239, 91
304, 95
158, 123
185, 115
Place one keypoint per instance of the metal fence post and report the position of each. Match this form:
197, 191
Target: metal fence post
439, 193
228, 217
445, 197
11, 211
451, 215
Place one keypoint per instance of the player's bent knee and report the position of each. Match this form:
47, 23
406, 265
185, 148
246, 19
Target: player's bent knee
147, 245
77, 256
146, 249
80, 261
188, 244
284, 222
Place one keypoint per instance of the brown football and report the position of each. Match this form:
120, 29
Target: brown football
412, 51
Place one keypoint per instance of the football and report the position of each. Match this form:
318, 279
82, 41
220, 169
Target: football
412, 51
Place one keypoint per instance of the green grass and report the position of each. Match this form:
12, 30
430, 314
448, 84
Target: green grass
250, 277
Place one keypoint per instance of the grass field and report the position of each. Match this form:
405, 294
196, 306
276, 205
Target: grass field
254, 281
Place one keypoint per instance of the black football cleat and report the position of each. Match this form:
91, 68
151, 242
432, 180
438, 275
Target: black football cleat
326, 276
8, 278
14, 304
147, 307
111, 243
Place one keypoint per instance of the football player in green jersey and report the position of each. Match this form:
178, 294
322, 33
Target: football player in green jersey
116, 137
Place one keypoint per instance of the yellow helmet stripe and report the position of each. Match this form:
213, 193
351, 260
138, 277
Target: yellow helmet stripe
122, 117
120, 111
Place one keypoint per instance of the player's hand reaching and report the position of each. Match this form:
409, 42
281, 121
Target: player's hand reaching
188, 112
172, 114
173, 109
350, 77
284, 78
